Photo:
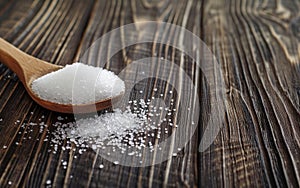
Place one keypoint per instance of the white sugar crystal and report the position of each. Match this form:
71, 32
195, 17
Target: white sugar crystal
60, 118
106, 125
126, 131
78, 84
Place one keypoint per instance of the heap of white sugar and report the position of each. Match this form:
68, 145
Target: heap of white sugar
78, 84
119, 129
105, 125
132, 131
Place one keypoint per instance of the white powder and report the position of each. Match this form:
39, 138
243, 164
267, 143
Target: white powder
119, 129
78, 84
104, 126
130, 131
111, 126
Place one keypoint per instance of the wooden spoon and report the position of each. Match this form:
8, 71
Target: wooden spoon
29, 68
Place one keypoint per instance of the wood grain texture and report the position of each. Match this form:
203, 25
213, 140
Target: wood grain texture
257, 45
259, 144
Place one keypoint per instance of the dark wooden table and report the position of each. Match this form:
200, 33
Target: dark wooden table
257, 45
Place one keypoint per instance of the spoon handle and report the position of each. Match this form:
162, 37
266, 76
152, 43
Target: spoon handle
25, 66
13, 58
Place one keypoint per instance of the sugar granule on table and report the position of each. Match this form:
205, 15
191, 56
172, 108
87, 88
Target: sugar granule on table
103, 126
78, 84
111, 126
119, 129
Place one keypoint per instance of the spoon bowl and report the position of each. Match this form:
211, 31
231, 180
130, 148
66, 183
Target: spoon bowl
29, 68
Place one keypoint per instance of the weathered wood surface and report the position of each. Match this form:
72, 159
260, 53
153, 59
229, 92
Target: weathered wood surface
257, 45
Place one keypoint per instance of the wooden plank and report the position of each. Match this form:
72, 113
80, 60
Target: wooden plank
49, 33
60, 32
259, 145
257, 45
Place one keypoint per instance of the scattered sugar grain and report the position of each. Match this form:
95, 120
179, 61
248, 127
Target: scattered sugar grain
105, 125
119, 129
60, 118
48, 182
